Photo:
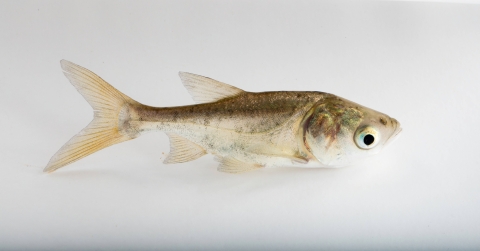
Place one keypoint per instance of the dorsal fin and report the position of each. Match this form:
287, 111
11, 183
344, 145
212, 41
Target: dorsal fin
206, 90
182, 150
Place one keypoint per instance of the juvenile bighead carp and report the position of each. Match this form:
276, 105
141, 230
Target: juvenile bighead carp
244, 130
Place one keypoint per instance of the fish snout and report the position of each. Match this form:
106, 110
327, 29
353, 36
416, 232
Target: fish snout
396, 131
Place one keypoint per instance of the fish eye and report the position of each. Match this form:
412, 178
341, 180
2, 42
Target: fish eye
367, 137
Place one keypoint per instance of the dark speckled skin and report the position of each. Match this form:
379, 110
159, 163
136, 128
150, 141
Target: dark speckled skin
251, 127
245, 113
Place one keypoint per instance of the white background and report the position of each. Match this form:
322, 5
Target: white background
417, 62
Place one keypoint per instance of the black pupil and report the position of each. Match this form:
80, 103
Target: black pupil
368, 139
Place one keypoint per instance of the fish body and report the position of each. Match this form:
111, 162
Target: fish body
244, 130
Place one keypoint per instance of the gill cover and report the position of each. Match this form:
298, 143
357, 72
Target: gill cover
339, 132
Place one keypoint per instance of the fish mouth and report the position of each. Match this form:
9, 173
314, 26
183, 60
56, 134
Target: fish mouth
396, 132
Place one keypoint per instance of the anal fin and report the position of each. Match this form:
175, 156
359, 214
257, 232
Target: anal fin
182, 150
232, 165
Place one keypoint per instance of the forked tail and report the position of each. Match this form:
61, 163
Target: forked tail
109, 106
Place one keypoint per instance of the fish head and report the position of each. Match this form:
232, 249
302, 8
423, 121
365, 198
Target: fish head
338, 132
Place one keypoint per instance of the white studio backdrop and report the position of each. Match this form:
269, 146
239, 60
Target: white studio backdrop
418, 62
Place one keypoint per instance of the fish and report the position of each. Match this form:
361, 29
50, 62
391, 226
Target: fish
244, 130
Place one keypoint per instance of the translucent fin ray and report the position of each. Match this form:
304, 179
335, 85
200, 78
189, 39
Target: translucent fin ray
182, 150
103, 131
207, 90
232, 165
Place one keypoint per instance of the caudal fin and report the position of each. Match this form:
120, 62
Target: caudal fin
103, 131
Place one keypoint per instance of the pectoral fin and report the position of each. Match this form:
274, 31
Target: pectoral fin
232, 165
182, 150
